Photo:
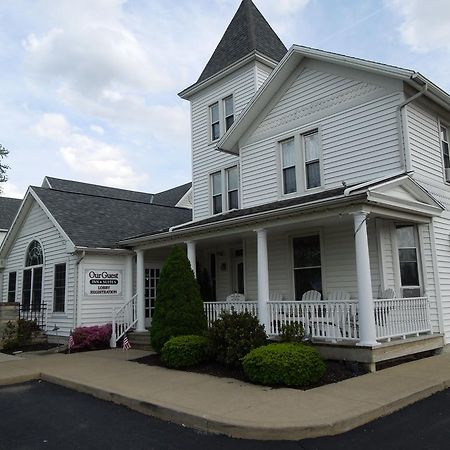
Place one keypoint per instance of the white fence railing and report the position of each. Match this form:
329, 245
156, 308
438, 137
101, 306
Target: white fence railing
123, 319
330, 320
214, 309
334, 321
401, 317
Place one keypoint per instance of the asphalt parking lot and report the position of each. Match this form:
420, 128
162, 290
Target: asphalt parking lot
39, 415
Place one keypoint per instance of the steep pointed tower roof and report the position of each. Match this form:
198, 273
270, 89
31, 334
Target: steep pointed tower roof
247, 32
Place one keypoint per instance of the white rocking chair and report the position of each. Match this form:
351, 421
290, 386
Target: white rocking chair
235, 298
312, 296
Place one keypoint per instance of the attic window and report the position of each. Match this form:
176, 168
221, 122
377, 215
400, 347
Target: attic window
221, 117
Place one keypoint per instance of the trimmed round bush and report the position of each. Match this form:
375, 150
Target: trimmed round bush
233, 335
287, 364
184, 351
179, 306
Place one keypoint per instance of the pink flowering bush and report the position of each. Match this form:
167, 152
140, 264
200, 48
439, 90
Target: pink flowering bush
91, 338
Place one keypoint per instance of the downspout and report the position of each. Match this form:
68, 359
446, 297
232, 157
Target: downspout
75, 303
403, 126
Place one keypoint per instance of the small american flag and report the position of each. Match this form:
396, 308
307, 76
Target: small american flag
71, 342
126, 343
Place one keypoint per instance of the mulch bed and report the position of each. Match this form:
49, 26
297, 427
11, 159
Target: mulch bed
31, 348
336, 370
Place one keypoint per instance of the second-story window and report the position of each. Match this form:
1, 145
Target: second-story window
216, 189
221, 117
215, 121
445, 152
232, 187
312, 159
228, 112
224, 188
288, 166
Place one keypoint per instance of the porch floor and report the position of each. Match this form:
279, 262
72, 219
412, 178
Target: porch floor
386, 351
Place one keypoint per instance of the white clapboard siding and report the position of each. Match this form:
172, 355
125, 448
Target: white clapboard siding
427, 163
38, 226
357, 145
205, 159
262, 72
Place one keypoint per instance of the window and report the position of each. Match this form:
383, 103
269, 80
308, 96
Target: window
215, 121
228, 112
408, 261
12, 286
232, 188
32, 277
59, 288
224, 186
312, 159
307, 265
221, 117
445, 152
216, 187
288, 166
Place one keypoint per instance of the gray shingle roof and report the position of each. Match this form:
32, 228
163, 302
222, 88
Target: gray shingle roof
102, 191
172, 196
8, 210
248, 31
100, 222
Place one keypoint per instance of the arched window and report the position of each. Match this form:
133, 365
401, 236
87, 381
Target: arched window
35, 256
32, 277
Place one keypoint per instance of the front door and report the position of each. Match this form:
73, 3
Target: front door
151, 282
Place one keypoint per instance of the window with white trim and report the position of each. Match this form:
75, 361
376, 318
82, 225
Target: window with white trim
221, 117
408, 260
312, 159
32, 277
12, 279
224, 188
288, 166
59, 288
307, 265
445, 151
300, 161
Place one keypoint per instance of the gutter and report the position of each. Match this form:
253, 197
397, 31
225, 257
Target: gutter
104, 250
402, 115
243, 219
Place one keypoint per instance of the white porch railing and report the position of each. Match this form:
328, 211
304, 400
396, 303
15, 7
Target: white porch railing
324, 319
401, 317
124, 319
334, 321
214, 309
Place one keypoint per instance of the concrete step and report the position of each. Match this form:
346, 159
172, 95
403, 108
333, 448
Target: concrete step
140, 340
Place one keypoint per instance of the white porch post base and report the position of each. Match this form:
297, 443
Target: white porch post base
140, 289
263, 278
367, 331
192, 257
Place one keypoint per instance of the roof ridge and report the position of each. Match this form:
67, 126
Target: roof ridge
104, 196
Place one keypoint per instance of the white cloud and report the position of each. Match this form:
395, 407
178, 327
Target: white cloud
424, 26
89, 157
283, 7
9, 189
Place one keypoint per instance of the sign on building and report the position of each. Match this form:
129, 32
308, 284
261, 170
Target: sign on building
102, 282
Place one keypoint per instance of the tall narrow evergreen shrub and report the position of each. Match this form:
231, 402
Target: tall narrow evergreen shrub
179, 306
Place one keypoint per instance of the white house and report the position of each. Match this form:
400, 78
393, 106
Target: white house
60, 259
320, 194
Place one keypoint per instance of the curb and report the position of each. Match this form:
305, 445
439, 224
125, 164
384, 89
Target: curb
242, 431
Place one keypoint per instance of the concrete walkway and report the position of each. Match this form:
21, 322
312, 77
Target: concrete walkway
233, 407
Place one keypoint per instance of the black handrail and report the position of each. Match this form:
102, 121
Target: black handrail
35, 313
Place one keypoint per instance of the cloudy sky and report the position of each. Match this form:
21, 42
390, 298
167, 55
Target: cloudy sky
89, 88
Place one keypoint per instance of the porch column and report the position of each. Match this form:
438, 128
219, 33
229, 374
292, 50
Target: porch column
263, 278
367, 332
129, 279
192, 256
140, 289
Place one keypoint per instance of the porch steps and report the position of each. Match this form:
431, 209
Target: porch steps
140, 340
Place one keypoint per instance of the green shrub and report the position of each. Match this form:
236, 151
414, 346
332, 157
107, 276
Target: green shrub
184, 351
18, 334
233, 335
178, 307
292, 332
287, 364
